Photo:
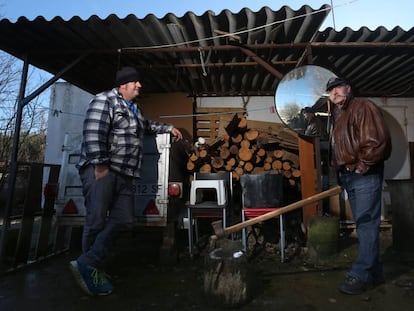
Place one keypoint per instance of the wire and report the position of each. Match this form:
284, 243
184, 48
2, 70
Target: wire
56, 112
227, 34
232, 34
216, 113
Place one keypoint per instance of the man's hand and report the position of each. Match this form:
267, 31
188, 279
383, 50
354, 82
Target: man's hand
176, 134
101, 170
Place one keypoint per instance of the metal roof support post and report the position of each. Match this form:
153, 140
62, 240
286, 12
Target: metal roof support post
11, 181
52, 80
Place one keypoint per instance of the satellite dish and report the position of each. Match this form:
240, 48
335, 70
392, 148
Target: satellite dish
302, 87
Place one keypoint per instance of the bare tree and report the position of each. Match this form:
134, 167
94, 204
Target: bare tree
33, 127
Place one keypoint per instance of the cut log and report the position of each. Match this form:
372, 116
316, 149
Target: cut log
239, 171
231, 161
261, 152
230, 164
228, 167
245, 154
296, 173
237, 138
248, 167
251, 134
277, 165
278, 154
258, 160
242, 123
205, 168
224, 152
226, 143
203, 153
193, 157
217, 162
245, 144
234, 149
190, 165
287, 174
286, 165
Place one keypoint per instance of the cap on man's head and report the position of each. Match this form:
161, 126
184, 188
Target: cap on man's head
334, 82
125, 75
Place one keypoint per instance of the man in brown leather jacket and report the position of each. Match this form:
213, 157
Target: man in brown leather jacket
315, 126
361, 143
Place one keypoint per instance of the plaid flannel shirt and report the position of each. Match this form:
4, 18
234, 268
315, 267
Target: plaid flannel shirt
112, 134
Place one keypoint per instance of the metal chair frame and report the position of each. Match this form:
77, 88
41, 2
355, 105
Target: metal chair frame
265, 206
208, 209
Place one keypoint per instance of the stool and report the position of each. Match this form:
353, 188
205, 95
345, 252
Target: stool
205, 209
218, 185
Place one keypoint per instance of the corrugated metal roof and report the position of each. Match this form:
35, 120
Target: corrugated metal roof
190, 53
377, 63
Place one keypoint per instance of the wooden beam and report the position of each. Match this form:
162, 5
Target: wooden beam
308, 178
228, 47
262, 62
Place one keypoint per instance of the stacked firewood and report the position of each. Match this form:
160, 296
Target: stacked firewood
244, 149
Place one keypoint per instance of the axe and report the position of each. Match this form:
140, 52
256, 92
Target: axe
220, 232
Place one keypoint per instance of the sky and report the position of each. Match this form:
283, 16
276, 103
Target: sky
346, 13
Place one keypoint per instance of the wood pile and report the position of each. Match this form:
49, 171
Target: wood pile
248, 147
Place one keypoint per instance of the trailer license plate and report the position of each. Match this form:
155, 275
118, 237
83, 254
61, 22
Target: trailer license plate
147, 189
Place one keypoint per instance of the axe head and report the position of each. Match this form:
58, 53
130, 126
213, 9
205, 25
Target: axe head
218, 228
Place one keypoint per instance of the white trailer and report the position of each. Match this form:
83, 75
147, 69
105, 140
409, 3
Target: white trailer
153, 190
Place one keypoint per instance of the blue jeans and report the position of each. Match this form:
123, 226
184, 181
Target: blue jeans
364, 193
109, 210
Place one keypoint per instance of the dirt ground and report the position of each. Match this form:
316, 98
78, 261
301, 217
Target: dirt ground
143, 282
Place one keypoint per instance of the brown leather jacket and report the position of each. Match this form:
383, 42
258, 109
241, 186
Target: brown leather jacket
316, 127
361, 137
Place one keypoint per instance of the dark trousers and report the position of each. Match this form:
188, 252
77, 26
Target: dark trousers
109, 209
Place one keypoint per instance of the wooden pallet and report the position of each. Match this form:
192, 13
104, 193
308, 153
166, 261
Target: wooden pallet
209, 121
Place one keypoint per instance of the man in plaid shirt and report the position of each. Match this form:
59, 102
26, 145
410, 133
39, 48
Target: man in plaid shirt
111, 156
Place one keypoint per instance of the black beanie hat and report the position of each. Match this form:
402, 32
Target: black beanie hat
125, 75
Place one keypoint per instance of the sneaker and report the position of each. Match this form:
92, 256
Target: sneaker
353, 286
91, 280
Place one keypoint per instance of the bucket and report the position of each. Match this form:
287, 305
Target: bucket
323, 238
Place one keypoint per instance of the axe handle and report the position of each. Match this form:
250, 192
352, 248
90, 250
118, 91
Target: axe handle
316, 197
